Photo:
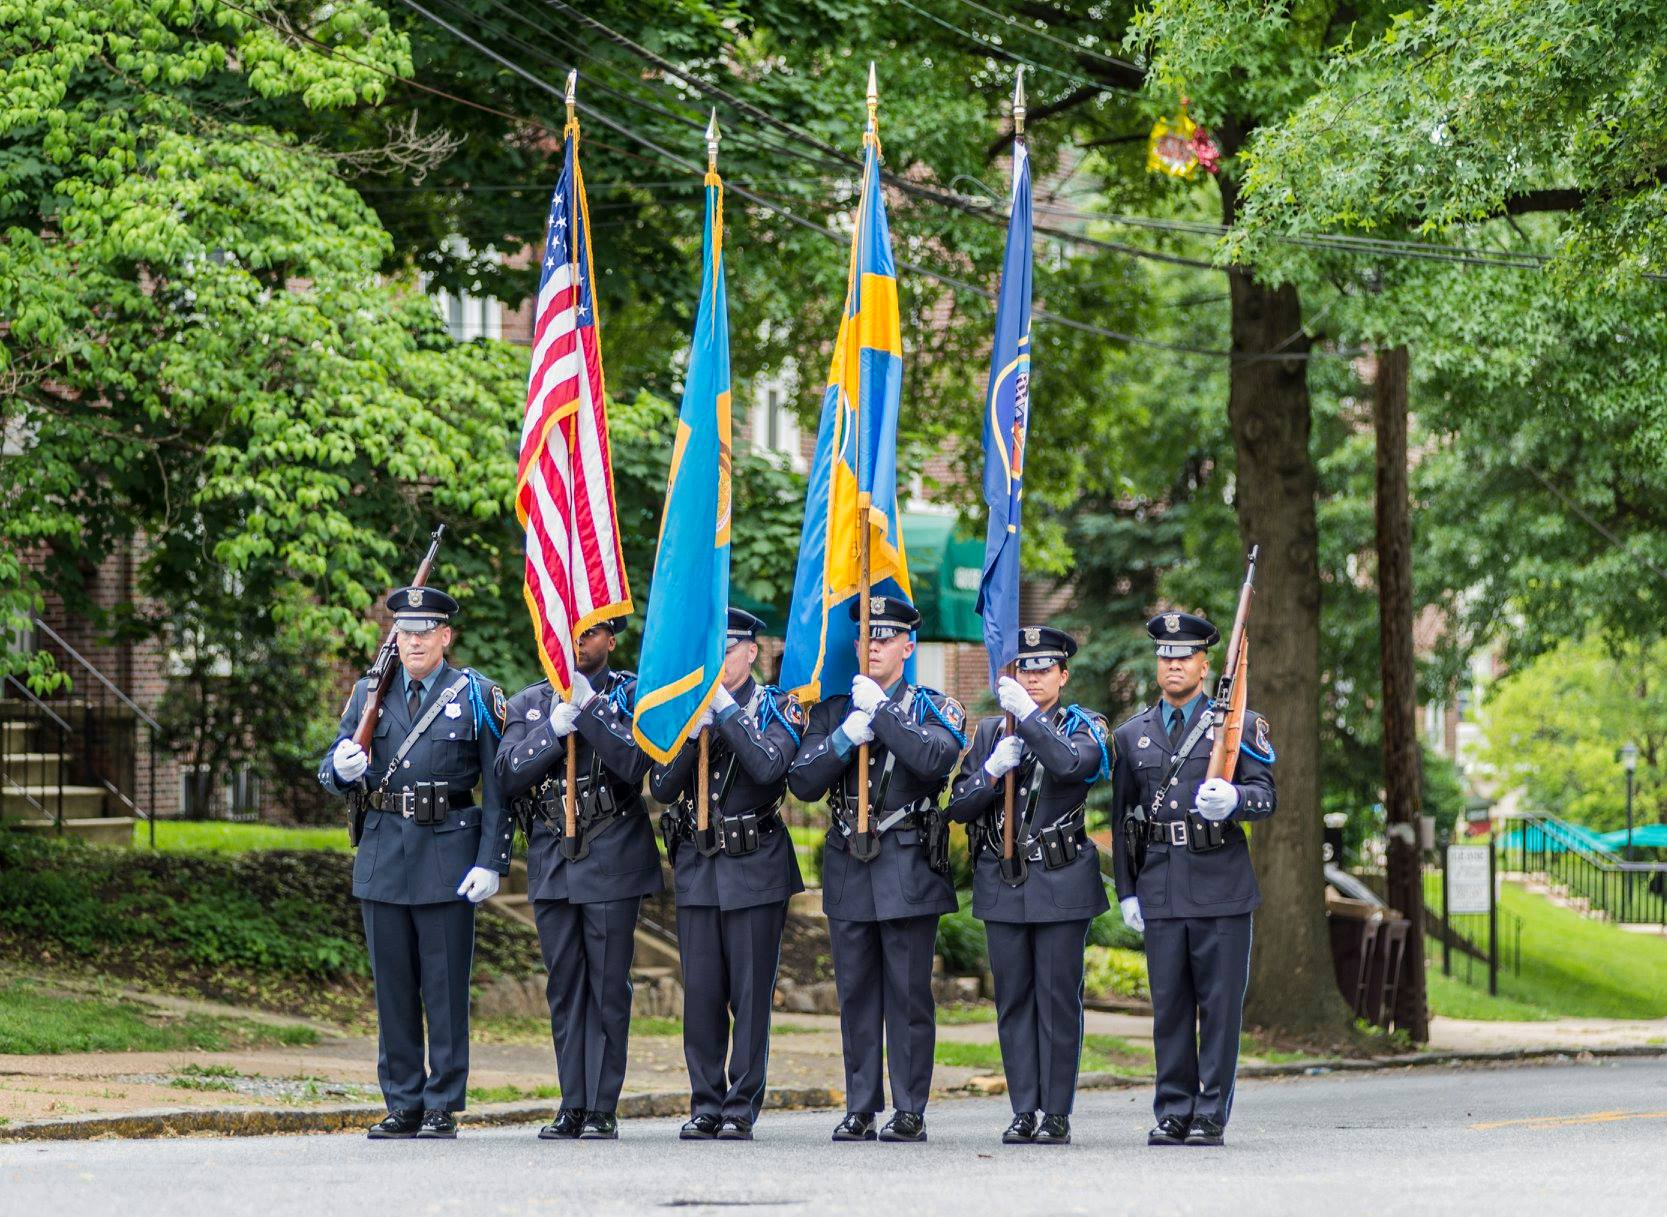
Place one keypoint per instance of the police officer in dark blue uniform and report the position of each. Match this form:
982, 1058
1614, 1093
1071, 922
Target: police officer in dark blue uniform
586, 889
427, 854
1184, 878
732, 885
883, 911
1036, 911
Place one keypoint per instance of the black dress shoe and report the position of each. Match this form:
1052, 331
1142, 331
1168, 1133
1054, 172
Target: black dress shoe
600, 1126
1206, 1132
1021, 1130
566, 1126
396, 1126
1053, 1130
703, 1127
735, 1128
856, 1126
904, 1126
1171, 1130
438, 1126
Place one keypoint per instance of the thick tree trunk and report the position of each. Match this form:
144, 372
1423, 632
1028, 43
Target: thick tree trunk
1402, 764
1293, 985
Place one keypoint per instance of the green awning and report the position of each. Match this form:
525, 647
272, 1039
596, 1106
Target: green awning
944, 568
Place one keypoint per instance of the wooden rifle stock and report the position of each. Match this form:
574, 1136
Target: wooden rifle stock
1228, 704
382, 667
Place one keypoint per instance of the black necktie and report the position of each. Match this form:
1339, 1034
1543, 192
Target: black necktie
1176, 718
414, 699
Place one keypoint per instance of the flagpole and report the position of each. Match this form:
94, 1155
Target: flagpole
863, 503
703, 802
570, 823
1008, 833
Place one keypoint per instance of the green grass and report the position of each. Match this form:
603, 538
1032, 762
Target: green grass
793, 1029
201, 1084
962, 1013
1249, 1045
650, 1025
1100, 1054
45, 1023
194, 1070
221, 837
512, 1093
1572, 967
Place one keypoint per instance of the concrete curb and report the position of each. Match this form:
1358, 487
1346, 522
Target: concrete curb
356, 1117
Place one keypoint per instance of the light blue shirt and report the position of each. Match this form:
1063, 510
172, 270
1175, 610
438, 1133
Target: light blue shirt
1187, 713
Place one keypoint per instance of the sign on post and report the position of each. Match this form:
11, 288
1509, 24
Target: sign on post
1469, 889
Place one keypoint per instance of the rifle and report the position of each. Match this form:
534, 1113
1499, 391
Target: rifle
1228, 703
376, 686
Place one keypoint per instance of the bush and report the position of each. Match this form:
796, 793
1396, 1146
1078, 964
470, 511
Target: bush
961, 940
1113, 971
1108, 930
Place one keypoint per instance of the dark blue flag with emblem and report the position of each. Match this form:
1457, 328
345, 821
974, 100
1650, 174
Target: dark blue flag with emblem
1006, 416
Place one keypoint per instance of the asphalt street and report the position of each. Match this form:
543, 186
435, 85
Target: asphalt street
1528, 1140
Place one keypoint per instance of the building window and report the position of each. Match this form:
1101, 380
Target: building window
775, 427
237, 796
469, 317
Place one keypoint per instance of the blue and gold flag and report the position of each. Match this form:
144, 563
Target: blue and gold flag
855, 464
1006, 419
683, 638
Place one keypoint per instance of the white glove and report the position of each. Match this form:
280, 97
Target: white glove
866, 695
1216, 799
1013, 698
582, 692
350, 762
1131, 914
564, 717
723, 699
704, 721
858, 727
1004, 756
479, 884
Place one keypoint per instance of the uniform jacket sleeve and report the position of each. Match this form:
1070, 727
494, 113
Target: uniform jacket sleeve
350, 719
1068, 758
607, 728
928, 749
497, 826
974, 792
1125, 794
529, 748
667, 781
764, 755
817, 767
1253, 777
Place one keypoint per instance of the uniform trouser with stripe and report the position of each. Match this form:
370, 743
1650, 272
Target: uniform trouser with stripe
421, 956
883, 976
729, 980
1198, 968
1038, 972
587, 952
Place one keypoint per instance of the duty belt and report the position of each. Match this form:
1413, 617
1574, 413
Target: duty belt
1072, 823
598, 806
419, 801
908, 816
1199, 835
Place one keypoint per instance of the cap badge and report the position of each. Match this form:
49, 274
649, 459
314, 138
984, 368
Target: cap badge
414, 597
876, 604
1033, 636
1172, 622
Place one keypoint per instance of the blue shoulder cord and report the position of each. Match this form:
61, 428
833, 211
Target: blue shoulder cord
769, 712
924, 705
481, 711
1076, 716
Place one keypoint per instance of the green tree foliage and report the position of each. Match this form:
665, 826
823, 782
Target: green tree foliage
1554, 727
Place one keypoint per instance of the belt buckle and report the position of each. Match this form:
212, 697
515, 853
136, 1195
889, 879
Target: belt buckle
1177, 832
407, 801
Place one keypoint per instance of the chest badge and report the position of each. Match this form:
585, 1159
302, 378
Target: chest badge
1144, 741
534, 714
453, 710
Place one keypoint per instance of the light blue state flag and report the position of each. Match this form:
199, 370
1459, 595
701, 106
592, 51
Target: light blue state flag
684, 636
1006, 419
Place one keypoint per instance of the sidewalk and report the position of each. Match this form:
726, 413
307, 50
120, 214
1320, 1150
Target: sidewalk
338, 1074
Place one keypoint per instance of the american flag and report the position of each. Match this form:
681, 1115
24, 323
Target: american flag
564, 491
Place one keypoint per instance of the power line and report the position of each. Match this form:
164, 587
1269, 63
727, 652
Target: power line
1013, 21
1013, 56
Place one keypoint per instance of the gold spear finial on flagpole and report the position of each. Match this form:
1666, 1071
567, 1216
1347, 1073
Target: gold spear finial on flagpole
1019, 104
712, 138
873, 101
572, 93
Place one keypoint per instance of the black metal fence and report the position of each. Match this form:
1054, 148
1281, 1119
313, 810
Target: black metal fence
1607, 886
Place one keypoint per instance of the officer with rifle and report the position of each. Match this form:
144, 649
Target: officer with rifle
416, 740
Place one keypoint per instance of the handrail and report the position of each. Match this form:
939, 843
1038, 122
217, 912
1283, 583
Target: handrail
1573, 844
97, 675
41, 705
24, 791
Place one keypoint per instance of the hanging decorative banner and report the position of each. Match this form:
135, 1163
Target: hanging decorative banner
1179, 147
